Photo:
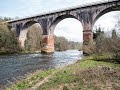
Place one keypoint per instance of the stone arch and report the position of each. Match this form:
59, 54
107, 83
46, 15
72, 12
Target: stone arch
58, 19
48, 40
107, 10
24, 30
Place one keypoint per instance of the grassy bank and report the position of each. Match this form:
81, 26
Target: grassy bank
87, 74
26, 52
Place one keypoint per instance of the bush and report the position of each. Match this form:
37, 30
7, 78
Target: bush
115, 48
108, 45
8, 40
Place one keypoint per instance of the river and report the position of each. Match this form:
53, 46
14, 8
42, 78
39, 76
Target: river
15, 66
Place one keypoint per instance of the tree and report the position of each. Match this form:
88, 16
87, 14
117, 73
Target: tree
8, 40
62, 44
34, 38
114, 34
98, 31
7, 18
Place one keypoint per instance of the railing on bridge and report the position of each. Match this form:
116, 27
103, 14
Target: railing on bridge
68, 8
78, 6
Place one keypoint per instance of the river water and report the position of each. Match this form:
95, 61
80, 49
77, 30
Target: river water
15, 66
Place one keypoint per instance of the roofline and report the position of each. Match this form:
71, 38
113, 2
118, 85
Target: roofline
63, 9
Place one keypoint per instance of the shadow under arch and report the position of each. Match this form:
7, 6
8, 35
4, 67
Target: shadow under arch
60, 18
26, 27
28, 24
110, 9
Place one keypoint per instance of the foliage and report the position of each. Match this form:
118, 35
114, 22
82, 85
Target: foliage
88, 74
115, 48
6, 18
8, 40
34, 38
106, 44
97, 33
100, 41
62, 44
114, 34
74, 45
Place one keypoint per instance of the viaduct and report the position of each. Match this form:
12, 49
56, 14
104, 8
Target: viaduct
86, 14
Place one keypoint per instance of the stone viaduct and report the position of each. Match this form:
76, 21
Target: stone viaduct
86, 14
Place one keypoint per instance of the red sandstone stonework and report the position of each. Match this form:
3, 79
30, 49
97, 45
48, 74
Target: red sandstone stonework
88, 36
48, 44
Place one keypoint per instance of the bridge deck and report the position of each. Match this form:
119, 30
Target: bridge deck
64, 9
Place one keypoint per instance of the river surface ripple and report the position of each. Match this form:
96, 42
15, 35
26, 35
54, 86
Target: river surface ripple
14, 66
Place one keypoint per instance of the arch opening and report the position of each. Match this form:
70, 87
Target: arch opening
106, 21
67, 30
30, 36
106, 11
59, 19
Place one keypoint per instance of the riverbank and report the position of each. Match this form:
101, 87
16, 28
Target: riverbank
7, 53
20, 52
88, 74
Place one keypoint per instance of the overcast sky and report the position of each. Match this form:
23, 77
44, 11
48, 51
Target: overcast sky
23, 8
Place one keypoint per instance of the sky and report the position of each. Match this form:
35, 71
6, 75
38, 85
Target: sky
23, 8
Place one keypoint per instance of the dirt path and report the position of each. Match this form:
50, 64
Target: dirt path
35, 87
40, 83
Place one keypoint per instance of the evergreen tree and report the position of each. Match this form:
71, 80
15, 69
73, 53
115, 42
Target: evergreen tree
97, 33
114, 34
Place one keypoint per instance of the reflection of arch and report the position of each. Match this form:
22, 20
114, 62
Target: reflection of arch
26, 27
58, 19
105, 11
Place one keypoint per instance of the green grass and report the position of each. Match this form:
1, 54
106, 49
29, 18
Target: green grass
85, 75
31, 80
88, 74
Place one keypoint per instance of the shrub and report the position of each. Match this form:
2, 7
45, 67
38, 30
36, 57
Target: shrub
8, 40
